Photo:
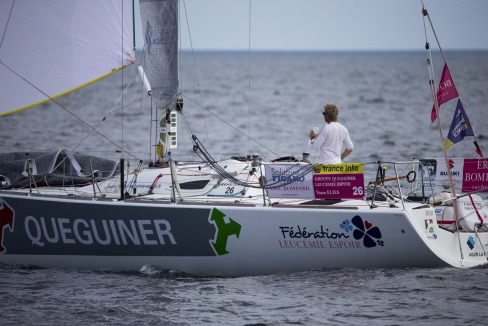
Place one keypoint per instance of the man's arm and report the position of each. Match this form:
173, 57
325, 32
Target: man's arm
346, 153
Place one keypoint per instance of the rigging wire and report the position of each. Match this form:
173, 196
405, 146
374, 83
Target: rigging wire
249, 57
66, 109
121, 99
59, 104
108, 114
430, 67
230, 125
426, 14
202, 106
195, 69
6, 25
180, 57
202, 152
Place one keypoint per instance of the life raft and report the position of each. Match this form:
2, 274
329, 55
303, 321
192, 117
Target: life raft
446, 217
444, 212
473, 213
472, 210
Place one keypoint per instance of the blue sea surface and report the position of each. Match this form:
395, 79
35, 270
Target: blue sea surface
444, 296
264, 103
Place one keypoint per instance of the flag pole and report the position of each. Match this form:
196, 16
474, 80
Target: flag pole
436, 107
433, 90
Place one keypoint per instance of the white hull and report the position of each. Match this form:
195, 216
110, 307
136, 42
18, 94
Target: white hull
229, 218
249, 240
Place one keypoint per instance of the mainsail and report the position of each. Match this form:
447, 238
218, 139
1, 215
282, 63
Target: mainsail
50, 48
159, 20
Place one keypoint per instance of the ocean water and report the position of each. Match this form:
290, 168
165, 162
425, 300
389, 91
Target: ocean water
446, 296
264, 103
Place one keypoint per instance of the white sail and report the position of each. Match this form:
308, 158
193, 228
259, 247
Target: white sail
50, 48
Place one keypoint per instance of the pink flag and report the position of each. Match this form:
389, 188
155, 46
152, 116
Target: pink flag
446, 91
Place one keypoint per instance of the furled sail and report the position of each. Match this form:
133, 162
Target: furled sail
159, 20
50, 48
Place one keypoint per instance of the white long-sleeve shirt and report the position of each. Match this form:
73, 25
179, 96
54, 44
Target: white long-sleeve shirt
330, 141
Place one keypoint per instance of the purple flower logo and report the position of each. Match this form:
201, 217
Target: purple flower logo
370, 234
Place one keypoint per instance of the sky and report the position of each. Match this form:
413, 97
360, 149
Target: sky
331, 25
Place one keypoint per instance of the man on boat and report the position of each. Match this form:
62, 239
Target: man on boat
331, 137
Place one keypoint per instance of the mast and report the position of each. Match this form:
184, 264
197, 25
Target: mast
160, 27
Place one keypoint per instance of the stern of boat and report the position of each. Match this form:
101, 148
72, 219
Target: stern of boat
457, 248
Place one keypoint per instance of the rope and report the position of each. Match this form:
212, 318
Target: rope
195, 69
476, 210
213, 164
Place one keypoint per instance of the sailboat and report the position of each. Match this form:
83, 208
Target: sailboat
233, 217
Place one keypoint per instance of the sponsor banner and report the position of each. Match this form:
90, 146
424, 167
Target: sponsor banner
475, 175
42, 227
435, 175
293, 180
324, 181
336, 181
354, 233
467, 175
